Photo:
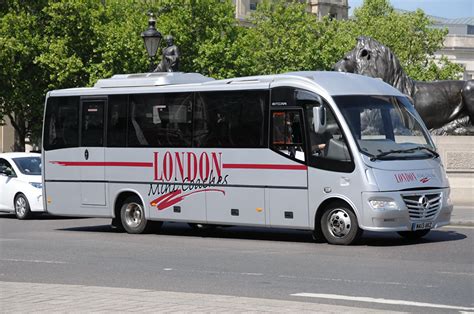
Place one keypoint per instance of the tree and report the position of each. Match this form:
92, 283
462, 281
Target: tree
21, 78
282, 38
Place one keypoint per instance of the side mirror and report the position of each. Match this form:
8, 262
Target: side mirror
6, 172
319, 119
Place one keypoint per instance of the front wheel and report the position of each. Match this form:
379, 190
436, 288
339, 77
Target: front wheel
339, 225
414, 235
22, 207
132, 215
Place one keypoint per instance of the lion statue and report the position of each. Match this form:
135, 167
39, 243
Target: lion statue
445, 106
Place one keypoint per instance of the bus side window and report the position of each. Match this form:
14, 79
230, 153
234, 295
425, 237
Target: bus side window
61, 128
287, 133
92, 123
232, 119
160, 120
117, 121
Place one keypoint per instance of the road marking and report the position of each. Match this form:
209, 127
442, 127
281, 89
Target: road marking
391, 283
380, 301
252, 274
167, 268
453, 273
457, 227
31, 261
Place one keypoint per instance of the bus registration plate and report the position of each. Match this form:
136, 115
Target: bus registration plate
422, 225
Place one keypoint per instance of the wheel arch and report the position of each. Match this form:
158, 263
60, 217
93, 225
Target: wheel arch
121, 196
336, 199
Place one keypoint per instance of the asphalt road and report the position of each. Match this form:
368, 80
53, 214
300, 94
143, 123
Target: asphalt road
247, 262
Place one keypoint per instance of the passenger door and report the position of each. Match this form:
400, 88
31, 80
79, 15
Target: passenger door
288, 199
92, 152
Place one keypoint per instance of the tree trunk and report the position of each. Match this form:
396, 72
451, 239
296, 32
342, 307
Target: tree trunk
20, 133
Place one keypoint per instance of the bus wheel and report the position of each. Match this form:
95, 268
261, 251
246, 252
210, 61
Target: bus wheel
414, 235
339, 225
22, 207
132, 215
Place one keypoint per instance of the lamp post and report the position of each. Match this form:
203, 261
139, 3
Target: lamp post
152, 38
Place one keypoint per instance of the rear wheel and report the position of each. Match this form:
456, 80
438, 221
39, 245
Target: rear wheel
414, 235
339, 225
132, 215
22, 207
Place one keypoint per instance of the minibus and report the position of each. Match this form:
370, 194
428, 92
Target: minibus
334, 153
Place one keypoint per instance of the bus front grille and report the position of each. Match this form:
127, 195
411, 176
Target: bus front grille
422, 206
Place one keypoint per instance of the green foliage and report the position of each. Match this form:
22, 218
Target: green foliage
21, 79
282, 38
50, 44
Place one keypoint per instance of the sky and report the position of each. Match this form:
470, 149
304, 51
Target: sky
442, 8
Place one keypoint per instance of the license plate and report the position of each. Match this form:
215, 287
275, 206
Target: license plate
422, 225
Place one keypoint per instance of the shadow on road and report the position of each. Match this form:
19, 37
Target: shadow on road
282, 235
39, 216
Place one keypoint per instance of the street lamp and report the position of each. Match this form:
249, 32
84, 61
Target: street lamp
152, 38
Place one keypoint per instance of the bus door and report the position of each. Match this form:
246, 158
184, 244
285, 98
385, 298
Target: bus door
288, 194
92, 152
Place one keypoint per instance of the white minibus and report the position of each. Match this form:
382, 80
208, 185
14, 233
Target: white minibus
335, 153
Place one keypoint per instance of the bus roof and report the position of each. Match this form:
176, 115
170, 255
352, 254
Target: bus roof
333, 83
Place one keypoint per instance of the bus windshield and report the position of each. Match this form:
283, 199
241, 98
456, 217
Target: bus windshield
385, 127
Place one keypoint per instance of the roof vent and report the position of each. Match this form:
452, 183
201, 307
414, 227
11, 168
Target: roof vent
152, 79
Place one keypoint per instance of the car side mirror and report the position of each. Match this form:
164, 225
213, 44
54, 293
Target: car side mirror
7, 172
319, 119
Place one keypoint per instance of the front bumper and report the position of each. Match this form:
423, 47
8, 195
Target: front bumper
36, 201
402, 219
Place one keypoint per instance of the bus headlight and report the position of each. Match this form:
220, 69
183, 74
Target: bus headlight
383, 204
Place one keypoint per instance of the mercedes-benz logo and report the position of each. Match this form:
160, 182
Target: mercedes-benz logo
423, 202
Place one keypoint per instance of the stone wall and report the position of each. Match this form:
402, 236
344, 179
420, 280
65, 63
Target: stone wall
457, 154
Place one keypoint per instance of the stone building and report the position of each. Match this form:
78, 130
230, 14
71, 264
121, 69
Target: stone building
337, 9
458, 46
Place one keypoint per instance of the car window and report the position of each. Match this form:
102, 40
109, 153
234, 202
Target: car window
29, 165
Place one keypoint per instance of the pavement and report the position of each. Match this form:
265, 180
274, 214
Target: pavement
16, 297
463, 215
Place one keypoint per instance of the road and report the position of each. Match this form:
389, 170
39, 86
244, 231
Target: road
274, 264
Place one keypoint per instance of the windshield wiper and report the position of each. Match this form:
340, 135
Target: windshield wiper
408, 150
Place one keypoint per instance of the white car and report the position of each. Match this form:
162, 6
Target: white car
20, 184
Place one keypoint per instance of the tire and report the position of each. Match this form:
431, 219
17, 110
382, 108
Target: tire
317, 233
413, 235
132, 216
22, 207
339, 225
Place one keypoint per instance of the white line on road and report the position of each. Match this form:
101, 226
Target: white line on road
381, 301
30, 261
457, 227
252, 274
453, 273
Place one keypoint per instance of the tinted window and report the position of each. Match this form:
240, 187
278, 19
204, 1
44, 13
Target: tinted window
160, 120
93, 123
117, 121
61, 123
29, 165
230, 119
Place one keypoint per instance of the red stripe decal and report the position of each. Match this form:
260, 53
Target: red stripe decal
102, 164
265, 166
